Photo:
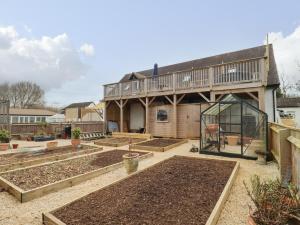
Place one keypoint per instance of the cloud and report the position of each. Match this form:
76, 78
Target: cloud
27, 28
87, 49
47, 61
287, 53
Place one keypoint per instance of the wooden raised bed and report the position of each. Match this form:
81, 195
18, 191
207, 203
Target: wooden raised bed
153, 144
117, 141
164, 193
132, 135
34, 160
27, 195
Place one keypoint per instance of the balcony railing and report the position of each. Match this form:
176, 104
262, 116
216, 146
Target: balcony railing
218, 75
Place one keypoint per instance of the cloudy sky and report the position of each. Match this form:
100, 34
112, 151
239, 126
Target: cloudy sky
72, 48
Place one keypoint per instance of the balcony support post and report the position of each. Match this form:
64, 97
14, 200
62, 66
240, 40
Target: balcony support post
175, 114
147, 115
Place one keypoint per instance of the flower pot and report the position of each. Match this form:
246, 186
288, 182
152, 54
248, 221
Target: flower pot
52, 144
131, 162
4, 146
247, 140
261, 157
75, 143
15, 146
232, 140
251, 220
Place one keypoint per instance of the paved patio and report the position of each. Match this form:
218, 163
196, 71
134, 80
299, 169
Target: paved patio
234, 212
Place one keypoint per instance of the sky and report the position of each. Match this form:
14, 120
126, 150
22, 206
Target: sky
71, 48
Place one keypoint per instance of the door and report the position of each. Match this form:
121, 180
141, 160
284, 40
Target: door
137, 116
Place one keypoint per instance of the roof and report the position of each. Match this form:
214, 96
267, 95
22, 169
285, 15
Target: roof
288, 102
250, 53
31, 112
79, 105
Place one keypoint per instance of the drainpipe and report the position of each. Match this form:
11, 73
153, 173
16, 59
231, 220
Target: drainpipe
274, 101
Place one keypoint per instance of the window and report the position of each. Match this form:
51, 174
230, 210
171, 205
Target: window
21, 119
26, 119
32, 119
14, 119
162, 115
38, 119
43, 119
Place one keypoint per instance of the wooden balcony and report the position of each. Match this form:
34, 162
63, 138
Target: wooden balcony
236, 75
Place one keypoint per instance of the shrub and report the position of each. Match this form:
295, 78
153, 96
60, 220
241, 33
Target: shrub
4, 136
76, 133
274, 204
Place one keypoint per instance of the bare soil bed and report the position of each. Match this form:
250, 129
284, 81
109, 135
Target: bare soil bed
33, 177
160, 142
32, 155
117, 141
180, 190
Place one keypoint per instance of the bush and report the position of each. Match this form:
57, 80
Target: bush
76, 133
4, 136
274, 204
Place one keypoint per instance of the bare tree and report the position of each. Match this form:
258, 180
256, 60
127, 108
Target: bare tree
4, 91
285, 86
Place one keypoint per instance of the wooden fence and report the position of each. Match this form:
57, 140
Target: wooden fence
285, 145
54, 128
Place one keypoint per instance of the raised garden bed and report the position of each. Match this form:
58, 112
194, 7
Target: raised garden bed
180, 190
23, 159
159, 144
36, 181
117, 141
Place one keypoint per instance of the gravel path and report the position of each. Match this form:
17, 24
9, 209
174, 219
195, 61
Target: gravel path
235, 211
37, 176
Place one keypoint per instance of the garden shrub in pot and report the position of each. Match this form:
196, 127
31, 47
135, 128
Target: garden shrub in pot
76, 137
4, 139
131, 160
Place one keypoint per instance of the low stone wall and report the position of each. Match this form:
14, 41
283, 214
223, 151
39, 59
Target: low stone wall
285, 145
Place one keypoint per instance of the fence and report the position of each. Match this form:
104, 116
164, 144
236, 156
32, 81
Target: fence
285, 145
54, 128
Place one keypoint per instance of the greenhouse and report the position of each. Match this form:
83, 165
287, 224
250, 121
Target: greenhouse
234, 127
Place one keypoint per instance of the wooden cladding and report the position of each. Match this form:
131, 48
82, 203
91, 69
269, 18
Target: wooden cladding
219, 75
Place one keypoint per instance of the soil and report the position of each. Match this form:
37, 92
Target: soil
160, 142
179, 190
118, 140
30, 178
31, 155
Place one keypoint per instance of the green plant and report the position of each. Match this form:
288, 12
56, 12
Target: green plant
4, 136
274, 204
76, 133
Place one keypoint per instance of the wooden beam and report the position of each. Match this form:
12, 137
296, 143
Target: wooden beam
121, 116
253, 96
124, 103
141, 100
203, 96
219, 98
175, 115
179, 100
118, 103
107, 103
170, 100
150, 102
147, 115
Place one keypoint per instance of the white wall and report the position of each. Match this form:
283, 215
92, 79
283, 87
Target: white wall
137, 116
269, 104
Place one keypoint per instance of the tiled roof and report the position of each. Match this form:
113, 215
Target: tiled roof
79, 105
288, 102
30, 112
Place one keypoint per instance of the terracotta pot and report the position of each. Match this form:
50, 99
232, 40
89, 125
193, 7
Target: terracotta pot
246, 140
15, 146
52, 144
131, 162
232, 140
4, 146
75, 142
251, 220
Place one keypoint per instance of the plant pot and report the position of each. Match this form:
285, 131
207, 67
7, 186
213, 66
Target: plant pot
246, 140
261, 157
4, 146
15, 146
251, 220
52, 144
131, 162
232, 140
75, 143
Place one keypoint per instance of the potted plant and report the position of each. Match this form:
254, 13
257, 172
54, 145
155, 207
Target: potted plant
15, 146
76, 137
131, 160
4, 140
273, 203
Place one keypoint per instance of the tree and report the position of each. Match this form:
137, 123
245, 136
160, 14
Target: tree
285, 86
4, 91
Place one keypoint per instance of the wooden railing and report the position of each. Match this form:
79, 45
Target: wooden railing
218, 75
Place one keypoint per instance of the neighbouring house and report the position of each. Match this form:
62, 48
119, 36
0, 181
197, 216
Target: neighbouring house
57, 118
289, 110
81, 111
167, 101
18, 115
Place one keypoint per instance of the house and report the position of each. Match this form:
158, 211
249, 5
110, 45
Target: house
81, 111
167, 101
18, 115
289, 110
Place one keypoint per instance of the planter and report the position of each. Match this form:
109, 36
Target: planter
131, 162
15, 146
52, 144
261, 157
75, 143
247, 140
4, 146
232, 140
